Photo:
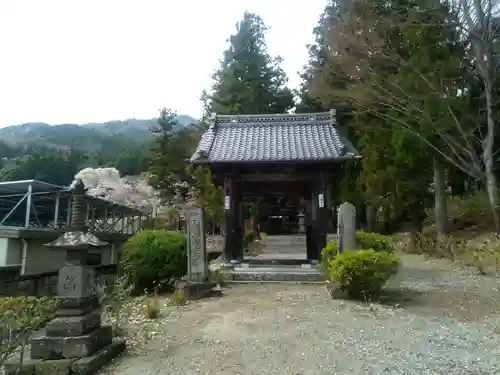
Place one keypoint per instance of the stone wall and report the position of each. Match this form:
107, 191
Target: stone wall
42, 284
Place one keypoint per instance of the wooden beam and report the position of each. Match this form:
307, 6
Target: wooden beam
272, 177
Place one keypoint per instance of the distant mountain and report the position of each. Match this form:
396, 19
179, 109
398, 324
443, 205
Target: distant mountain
86, 137
55, 153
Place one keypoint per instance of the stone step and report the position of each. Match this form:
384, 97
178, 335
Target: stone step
276, 274
280, 244
276, 263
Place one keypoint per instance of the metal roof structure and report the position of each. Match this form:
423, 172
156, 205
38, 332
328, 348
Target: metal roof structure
13, 189
27, 202
21, 187
273, 138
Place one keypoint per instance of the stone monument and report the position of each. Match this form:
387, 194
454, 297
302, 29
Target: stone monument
74, 341
346, 227
302, 222
196, 284
197, 250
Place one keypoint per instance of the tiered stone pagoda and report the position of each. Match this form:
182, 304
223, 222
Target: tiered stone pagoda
289, 160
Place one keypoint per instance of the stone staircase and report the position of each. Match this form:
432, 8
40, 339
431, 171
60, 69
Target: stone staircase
283, 259
276, 273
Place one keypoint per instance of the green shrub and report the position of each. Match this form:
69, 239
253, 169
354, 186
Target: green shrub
115, 299
365, 240
375, 241
154, 255
363, 273
327, 254
20, 317
465, 212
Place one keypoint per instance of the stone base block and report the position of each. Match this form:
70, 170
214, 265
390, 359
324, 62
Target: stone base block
38, 367
46, 347
74, 325
76, 306
83, 366
193, 291
90, 365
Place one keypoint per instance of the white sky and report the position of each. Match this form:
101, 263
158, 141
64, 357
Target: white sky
76, 61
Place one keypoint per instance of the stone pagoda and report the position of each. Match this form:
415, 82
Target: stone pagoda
74, 341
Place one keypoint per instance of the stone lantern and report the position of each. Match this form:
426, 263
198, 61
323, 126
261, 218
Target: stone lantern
302, 222
74, 341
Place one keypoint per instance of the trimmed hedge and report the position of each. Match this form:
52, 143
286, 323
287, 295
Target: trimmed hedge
363, 273
154, 256
365, 240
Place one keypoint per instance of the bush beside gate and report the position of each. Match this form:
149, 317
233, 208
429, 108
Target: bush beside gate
361, 273
154, 256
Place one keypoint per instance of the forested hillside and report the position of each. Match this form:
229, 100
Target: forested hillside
54, 153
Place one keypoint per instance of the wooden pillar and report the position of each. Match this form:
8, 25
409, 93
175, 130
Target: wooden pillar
309, 221
231, 232
240, 228
321, 215
319, 218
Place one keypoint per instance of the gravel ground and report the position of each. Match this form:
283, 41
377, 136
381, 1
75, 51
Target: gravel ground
434, 320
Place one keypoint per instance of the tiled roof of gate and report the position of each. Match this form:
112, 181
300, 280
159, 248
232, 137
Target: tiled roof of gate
273, 138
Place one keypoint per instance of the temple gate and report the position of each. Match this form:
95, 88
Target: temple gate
287, 161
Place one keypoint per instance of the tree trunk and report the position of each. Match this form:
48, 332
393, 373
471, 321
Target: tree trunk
440, 204
371, 218
416, 216
481, 28
491, 182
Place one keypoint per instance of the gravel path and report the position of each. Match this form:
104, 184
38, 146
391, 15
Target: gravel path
444, 326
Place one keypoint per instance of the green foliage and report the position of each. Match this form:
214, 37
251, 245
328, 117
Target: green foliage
327, 254
209, 196
472, 211
249, 80
115, 299
485, 255
363, 273
218, 276
53, 166
396, 88
153, 309
169, 152
152, 304
365, 240
19, 318
154, 256
375, 241
178, 299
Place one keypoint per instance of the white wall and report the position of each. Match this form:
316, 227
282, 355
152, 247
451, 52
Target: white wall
10, 252
40, 259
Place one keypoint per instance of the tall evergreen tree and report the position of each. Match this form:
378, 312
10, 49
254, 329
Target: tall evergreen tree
249, 80
318, 60
169, 152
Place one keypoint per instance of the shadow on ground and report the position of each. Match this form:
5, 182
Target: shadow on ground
401, 297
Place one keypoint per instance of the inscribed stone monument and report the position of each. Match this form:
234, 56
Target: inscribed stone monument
346, 227
197, 251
